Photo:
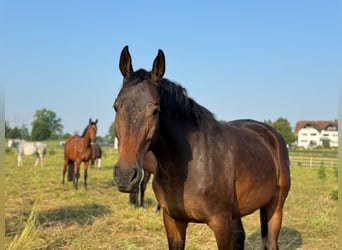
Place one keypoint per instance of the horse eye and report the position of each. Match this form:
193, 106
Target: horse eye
156, 109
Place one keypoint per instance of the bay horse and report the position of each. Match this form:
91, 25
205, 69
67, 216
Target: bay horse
96, 155
77, 149
208, 171
149, 167
23, 147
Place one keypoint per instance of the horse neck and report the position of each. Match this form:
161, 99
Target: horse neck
173, 139
86, 138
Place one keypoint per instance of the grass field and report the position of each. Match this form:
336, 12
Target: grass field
41, 213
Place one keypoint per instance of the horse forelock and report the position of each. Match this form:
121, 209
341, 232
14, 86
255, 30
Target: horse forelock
136, 77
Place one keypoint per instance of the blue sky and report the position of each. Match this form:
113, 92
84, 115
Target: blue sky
240, 59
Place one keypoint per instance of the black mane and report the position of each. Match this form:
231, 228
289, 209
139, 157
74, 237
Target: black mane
174, 99
84, 131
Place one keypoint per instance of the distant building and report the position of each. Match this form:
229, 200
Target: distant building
316, 133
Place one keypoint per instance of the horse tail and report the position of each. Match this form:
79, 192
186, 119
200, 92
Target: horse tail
71, 166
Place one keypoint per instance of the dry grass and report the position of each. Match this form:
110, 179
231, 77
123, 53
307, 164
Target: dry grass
41, 213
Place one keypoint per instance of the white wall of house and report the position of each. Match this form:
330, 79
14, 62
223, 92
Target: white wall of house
311, 137
308, 137
331, 136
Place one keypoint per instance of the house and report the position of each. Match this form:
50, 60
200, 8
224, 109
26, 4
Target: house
316, 133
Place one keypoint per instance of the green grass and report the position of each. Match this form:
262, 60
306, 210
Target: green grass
329, 153
41, 213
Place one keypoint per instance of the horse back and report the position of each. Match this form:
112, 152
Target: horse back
270, 137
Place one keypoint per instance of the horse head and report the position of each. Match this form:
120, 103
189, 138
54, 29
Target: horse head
13, 143
137, 108
91, 130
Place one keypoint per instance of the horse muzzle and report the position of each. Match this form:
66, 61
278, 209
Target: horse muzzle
127, 179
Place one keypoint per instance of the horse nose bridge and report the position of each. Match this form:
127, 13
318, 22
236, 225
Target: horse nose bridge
128, 150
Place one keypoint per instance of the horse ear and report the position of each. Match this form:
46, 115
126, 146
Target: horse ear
89, 120
158, 68
96, 121
125, 64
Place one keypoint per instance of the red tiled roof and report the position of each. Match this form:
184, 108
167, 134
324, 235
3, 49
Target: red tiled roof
316, 124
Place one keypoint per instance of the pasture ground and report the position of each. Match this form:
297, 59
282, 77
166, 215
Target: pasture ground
41, 213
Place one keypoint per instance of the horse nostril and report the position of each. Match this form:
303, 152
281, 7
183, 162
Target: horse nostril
134, 175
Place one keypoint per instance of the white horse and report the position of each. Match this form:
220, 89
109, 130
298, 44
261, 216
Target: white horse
28, 148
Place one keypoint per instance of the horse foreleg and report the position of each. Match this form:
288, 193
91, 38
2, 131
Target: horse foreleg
223, 230
143, 185
175, 231
99, 163
133, 198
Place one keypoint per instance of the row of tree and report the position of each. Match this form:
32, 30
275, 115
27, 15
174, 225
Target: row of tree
46, 125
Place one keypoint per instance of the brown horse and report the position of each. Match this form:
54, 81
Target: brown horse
77, 149
96, 154
208, 172
149, 167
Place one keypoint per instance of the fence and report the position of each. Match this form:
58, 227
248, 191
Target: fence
313, 161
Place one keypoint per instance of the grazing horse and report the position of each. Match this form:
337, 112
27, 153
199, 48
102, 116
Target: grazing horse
96, 154
77, 149
149, 167
208, 172
28, 148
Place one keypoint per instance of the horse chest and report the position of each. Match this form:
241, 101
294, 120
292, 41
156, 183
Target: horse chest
181, 201
84, 155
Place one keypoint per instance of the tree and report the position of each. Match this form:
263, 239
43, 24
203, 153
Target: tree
16, 132
24, 132
284, 128
7, 129
46, 125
